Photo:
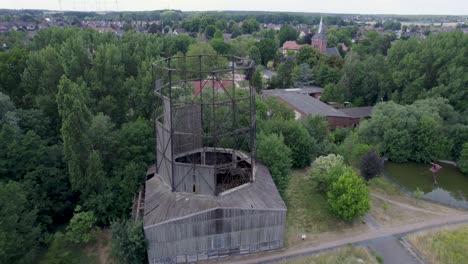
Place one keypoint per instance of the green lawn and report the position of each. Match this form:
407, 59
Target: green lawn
384, 186
344, 255
62, 252
446, 245
308, 211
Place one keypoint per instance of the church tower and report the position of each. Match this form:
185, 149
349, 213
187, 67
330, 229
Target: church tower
319, 40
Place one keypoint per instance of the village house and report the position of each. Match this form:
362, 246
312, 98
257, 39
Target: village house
290, 46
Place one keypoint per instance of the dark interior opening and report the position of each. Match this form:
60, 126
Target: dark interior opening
216, 158
194, 158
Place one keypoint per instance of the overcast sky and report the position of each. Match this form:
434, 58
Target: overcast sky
444, 7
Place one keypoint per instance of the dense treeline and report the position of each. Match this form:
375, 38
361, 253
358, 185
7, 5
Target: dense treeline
75, 129
407, 71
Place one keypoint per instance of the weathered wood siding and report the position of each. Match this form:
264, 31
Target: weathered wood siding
215, 234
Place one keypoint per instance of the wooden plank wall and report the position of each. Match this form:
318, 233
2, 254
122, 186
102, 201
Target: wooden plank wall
216, 234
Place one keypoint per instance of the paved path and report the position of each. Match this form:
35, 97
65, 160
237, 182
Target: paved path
407, 206
392, 251
367, 237
371, 222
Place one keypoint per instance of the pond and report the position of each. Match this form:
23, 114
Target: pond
451, 187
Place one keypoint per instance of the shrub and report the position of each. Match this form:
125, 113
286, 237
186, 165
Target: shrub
371, 165
418, 194
352, 149
463, 161
272, 151
325, 170
82, 226
128, 242
348, 196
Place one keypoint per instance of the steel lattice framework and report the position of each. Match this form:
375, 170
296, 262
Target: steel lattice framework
205, 122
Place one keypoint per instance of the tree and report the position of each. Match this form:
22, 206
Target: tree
272, 151
352, 149
19, 233
235, 31
208, 63
348, 196
254, 54
317, 126
296, 137
128, 243
286, 33
333, 92
370, 165
273, 109
284, 75
82, 226
267, 48
412, 132
76, 119
220, 46
249, 26
463, 161
12, 64
210, 31
303, 75
257, 80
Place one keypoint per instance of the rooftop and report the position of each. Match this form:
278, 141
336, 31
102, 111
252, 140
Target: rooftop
358, 112
299, 99
162, 205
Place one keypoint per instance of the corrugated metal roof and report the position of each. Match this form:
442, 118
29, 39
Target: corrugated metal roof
358, 112
305, 103
161, 204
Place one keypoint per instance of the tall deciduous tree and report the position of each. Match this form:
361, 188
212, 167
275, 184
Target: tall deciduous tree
272, 151
76, 120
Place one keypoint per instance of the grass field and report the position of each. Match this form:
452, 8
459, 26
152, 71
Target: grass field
345, 255
446, 245
308, 211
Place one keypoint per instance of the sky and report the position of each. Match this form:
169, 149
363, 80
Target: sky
435, 7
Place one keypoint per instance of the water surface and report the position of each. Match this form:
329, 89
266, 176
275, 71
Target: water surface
451, 187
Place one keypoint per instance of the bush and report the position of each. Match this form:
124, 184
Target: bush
463, 161
128, 242
272, 151
418, 194
371, 165
82, 226
348, 197
325, 170
352, 149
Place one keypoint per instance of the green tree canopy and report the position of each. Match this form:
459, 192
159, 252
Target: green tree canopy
348, 196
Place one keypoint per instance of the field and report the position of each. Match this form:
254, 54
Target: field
344, 255
308, 212
445, 245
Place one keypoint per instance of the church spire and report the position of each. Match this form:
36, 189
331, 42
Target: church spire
320, 26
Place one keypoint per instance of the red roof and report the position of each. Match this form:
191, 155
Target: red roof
207, 84
344, 47
290, 45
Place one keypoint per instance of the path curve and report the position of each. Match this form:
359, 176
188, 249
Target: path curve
407, 206
398, 231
